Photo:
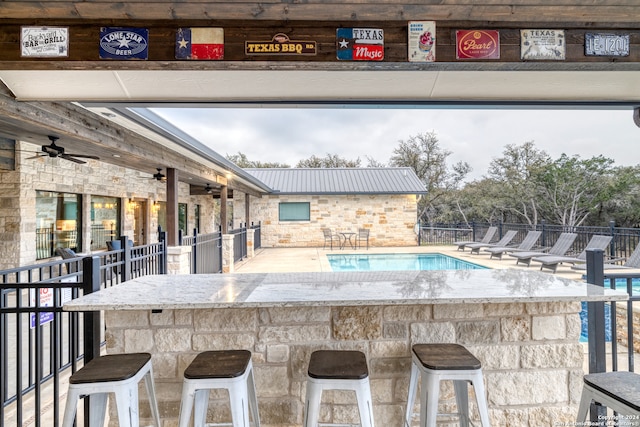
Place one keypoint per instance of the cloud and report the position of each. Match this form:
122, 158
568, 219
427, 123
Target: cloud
475, 136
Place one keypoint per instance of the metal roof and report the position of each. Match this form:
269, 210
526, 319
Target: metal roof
340, 180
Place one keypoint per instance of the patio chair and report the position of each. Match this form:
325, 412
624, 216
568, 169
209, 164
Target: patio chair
491, 231
560, 248
363, 235
506, 239
632, 261
529, 241
551, 262
329, 236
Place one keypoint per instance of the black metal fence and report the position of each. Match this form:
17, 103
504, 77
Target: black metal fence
623, 242
206, 251
40, 344
239, 242
611, 324
257, 235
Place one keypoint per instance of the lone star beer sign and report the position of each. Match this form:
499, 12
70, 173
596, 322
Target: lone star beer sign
280, 45
360, 44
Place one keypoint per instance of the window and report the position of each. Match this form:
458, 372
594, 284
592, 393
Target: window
294, 211
105, 221
182, 218
58, 222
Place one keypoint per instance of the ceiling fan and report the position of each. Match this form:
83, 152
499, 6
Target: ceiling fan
159, 176
53, 150
208, 189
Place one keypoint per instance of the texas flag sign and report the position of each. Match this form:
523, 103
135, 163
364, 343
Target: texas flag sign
200, 43
360, 44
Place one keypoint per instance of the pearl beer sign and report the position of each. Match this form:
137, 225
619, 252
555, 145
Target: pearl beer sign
44, 42
477, 44
124, 43
360, 44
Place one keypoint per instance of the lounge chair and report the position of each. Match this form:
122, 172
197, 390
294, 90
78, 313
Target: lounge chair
633, 261
560, 248
551, 262
491, 231
506, 239
529, 241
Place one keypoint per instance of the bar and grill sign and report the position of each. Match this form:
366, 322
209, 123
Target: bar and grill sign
44, 42
602, 44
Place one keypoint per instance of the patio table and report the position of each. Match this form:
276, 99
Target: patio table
348, 235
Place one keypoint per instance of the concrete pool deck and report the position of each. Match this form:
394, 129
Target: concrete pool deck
269, 260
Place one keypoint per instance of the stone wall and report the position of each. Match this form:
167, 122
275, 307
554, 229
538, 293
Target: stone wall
531, 357
389, 218
18, 199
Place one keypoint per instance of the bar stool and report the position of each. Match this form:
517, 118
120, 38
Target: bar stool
438, 362
226, 369
338, 370
619, 391
112, 373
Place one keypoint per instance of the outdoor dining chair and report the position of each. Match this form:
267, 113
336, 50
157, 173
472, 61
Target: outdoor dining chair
363, 235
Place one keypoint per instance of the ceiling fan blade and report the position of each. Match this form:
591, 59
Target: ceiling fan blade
83, 156
73, 159
37, 156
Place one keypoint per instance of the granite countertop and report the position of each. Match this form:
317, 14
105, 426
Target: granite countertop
340, 289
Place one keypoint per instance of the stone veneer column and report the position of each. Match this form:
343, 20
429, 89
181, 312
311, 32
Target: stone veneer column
178, 261
250, 245
227, 253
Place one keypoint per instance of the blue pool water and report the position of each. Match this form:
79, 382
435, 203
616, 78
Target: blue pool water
621, 284
394, 262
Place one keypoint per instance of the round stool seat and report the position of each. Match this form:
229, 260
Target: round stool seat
118, 374
218, 364
433, 363
338, 370
340, 365
110, 367
446, 357
223, 369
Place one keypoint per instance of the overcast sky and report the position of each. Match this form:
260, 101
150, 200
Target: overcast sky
475, 136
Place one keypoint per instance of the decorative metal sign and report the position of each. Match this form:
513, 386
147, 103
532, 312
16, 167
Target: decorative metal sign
200, 43
44, 42
542, 45
124, 43
602, 44
360, 44
280, 45
477, 44
422, 41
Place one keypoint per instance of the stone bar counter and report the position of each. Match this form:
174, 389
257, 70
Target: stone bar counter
523, 325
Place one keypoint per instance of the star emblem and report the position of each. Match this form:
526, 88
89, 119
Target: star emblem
182, 44
124, 43
344, 44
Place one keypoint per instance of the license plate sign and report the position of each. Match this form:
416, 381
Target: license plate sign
600, 44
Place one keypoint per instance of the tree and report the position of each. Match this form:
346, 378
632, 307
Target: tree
242, 161
424, 155
571, 188
514, 173
330, 161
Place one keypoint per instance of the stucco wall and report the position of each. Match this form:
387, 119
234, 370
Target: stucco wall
390, 219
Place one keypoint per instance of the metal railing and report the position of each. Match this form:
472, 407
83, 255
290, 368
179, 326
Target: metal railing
623, 242
613, 323
40, 344
206, 251
257, 235
239, 242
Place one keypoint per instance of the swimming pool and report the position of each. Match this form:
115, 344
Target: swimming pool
394, 262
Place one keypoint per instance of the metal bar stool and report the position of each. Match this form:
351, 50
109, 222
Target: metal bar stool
619, 391
112, 373
438, 362
338, 370
226, 369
